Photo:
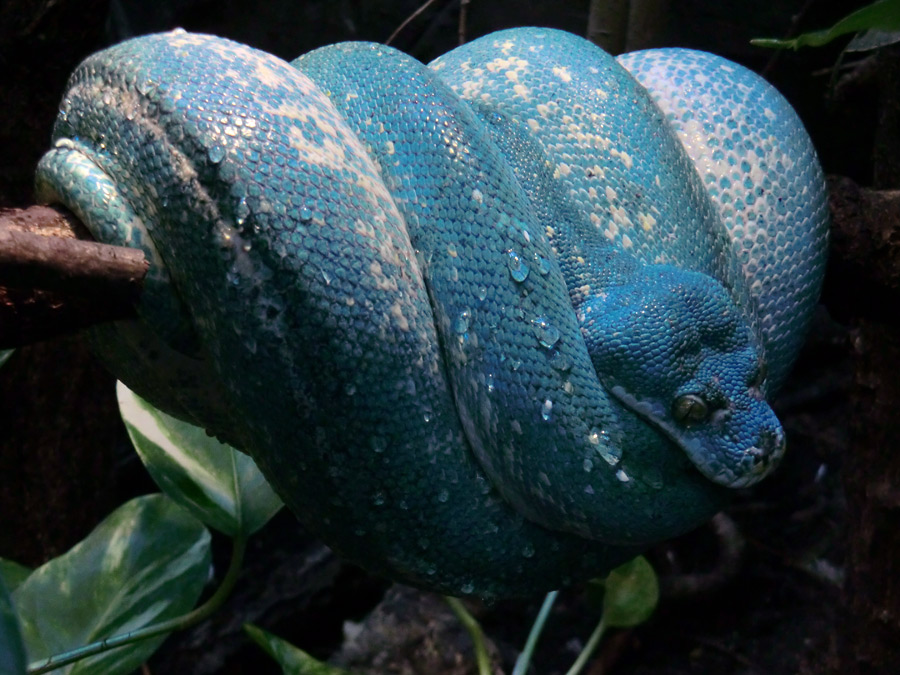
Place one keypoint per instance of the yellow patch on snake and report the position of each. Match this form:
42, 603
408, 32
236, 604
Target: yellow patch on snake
647, 221
400, 319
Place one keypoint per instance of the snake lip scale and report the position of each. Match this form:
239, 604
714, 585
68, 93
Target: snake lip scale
489, 326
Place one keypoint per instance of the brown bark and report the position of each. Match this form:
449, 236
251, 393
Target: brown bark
54, 280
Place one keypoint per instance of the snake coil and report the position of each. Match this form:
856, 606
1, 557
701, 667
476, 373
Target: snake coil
488, 326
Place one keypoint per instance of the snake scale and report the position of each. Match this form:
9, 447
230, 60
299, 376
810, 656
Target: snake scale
489, 326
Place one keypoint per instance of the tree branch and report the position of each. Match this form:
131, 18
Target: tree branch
54, 279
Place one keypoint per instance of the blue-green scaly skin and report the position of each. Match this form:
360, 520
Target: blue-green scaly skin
453, 311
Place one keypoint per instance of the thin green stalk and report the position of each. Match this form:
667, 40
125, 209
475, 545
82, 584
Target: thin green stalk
524, 659
589, 648
471, 625
195, 616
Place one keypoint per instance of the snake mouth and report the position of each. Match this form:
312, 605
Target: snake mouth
712, 446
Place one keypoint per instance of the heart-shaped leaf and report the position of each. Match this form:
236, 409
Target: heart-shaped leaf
12, 650
631, 594
13, 574
146, 562
220, 485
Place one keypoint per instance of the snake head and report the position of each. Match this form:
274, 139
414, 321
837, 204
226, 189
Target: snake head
674, 348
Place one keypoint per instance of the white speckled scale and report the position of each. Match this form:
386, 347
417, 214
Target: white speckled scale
758, 164
487, 326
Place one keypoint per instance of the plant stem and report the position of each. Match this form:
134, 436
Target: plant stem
471, 625
589, 648
195, 616
524, 659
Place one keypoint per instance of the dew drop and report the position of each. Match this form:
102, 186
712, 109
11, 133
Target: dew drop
350, 389
543, 264
378, 499
611, 454
461, 325
622, 476
528, 551
517, 267
241, 211
561, 362
587, 465
146, 86
426, 416
379, 444
546, 409
482, 292
327, 277
443, 496
467, 587
515, 364
546, 334
489, 381
216, 154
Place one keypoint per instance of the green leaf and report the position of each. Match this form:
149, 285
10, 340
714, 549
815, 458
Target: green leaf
869, 40
5, 354
293, 660
883, 15
13, 574
146, 562
632, 592
12, 649
220, 485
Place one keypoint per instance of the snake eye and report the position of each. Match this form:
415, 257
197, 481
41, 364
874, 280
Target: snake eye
689, 408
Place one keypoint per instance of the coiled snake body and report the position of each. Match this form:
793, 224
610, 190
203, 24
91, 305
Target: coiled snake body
488, 326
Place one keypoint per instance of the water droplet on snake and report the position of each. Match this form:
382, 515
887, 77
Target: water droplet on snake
546, 334
518, 270
546, 409
561, 362
216, 154
461, 325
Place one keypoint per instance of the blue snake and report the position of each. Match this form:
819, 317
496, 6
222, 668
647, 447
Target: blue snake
489, 326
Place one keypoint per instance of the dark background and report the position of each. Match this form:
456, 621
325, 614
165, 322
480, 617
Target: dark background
65, 461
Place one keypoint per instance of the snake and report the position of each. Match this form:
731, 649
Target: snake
489, 326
